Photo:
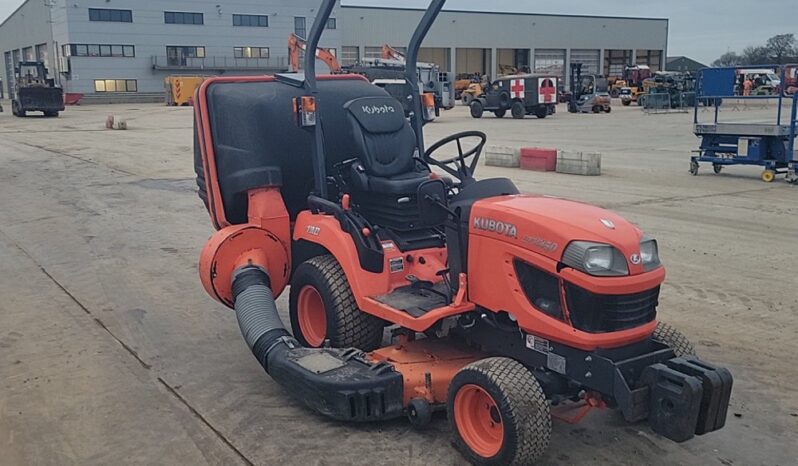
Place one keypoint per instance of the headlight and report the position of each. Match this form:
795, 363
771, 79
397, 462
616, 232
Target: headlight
649, 254
595, 259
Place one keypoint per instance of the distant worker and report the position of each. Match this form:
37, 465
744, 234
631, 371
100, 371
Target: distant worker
747, 85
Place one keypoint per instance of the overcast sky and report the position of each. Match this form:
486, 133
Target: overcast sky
702, 29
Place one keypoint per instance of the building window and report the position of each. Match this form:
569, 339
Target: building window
115, 85
251, 52
349, 55
180, 55
299, 26
114, 16
332, 23
251, 20
180, 17
99, 50
372, 52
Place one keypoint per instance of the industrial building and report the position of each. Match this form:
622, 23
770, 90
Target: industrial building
120, 47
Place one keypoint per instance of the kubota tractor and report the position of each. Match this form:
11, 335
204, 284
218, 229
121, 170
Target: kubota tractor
504, 308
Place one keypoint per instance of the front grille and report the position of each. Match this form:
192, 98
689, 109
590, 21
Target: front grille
596, 313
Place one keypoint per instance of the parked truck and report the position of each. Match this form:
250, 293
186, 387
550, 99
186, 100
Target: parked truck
34, 91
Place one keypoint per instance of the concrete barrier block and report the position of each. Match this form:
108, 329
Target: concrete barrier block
579, 163
502, 156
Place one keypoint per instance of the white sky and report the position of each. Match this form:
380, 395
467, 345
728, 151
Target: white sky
701, 29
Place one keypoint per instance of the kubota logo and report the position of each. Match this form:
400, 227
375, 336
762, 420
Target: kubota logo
494, 226
377, 109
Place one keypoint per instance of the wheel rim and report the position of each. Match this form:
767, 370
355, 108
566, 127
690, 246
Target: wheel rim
311, 315
478, 420
768, 176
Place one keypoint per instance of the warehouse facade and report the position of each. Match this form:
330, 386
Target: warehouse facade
468, 42
130, 46
124, 47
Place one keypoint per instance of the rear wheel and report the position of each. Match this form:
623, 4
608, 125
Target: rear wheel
679, 343
717, 168
500, 113
518, 110
541, 111
321, 307
499, 414
477, 109
608, 109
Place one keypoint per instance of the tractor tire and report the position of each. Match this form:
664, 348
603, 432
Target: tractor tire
541, 111
518, 111
500, 113
17, 111
499, 413
476, 109
679, 343
322, 308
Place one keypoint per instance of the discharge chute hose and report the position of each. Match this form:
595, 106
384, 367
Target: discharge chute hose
257, 315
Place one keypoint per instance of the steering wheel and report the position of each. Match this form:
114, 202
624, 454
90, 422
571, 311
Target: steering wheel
463, 170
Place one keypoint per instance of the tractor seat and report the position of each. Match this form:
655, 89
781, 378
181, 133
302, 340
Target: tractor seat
385, 178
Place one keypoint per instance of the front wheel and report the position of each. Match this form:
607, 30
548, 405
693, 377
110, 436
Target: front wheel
499, 413
477, 109
693, 168
500, 113
608, 109
679, 343
322, 307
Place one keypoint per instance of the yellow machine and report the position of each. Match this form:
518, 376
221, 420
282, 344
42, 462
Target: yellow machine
180, 89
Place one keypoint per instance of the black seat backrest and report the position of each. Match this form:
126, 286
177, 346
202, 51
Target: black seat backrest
384, 141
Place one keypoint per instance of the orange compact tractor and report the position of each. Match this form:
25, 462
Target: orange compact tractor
505, 309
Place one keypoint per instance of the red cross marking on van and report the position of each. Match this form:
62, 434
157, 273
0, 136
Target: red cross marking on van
517, 89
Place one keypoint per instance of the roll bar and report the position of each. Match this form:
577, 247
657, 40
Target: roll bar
411, 75
411, 69
319, 161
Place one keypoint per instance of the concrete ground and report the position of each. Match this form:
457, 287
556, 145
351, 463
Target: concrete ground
111, 352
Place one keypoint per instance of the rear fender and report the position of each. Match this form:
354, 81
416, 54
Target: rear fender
325, 231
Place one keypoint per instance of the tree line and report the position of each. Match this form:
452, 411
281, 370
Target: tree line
779, 49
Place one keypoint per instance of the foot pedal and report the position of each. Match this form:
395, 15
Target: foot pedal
717, 385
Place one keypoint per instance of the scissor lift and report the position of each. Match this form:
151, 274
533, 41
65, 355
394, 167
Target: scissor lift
770, 145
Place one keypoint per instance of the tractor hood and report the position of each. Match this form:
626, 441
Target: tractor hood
546, 225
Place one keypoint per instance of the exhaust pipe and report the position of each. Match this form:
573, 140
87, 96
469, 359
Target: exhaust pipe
340, 383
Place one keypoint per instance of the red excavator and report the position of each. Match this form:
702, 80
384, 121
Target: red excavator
297, 45
503, 309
